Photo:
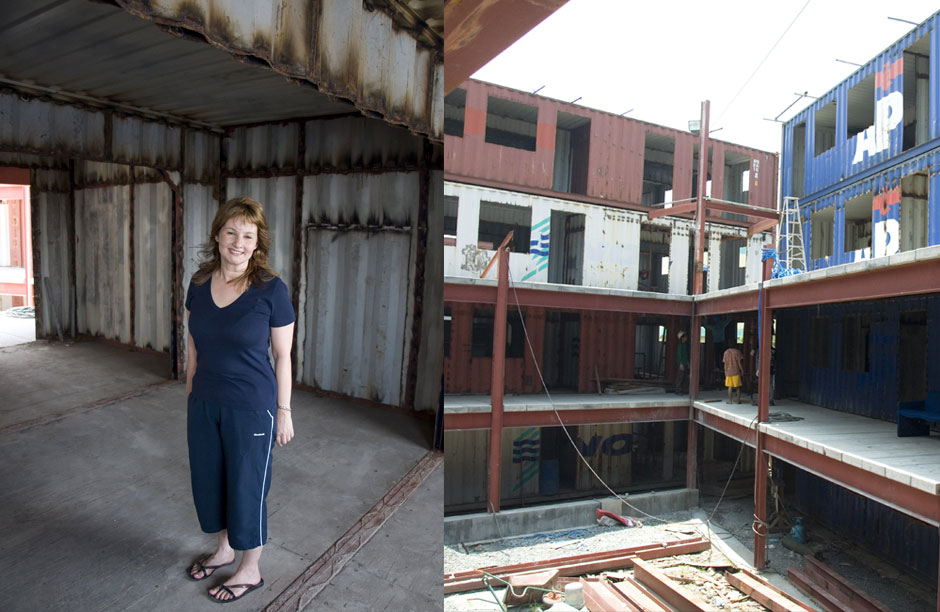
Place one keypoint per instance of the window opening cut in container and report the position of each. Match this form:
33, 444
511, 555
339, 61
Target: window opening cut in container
650, 349
825, 132
917, 93
654, 248
732, 271
497, 220
482, 334
858, 223
737, 175
511, 124
561, 353
658, 160
798, 161
16, 254
860, 107
455, 106
572, 146
566, 248
823, 225
450, 215
856, 343
914, 211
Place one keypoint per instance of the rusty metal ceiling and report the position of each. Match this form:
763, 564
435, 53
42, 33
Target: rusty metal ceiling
222, 62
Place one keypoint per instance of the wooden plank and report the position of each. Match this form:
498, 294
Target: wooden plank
824, 599
601, 596
835, 584
591, 564
764, 593
672, 593
639, 596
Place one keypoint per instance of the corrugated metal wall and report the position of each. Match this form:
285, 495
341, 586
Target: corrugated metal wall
606, 348
153, 279
616, 154
50, 192
357, 292
102, 262
872, 393
889, 534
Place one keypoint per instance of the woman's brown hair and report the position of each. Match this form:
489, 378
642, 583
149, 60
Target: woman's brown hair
259, 272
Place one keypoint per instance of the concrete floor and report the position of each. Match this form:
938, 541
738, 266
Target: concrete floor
98, 512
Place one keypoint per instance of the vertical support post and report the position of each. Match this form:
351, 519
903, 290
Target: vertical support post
27, 242
498, 378
695, 352
700, 201
131, 258
763, 412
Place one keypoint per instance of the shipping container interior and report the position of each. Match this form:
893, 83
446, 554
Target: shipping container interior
124, 187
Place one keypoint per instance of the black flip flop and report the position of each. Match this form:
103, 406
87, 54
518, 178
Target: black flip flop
204, 569
228, 589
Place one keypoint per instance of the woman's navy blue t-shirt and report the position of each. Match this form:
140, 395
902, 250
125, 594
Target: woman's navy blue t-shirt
233, 368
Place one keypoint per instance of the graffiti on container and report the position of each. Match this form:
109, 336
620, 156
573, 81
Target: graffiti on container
539, 246
886, 238
525, 450
617, 444
474, 259
889, 110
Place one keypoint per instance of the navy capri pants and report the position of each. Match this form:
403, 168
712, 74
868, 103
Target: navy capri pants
230, 465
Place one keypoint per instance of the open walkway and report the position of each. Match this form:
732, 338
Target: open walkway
98, 513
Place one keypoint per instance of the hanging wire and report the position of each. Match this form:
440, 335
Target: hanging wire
577, 450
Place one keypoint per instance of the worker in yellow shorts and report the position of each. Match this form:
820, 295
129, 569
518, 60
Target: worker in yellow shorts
734, 368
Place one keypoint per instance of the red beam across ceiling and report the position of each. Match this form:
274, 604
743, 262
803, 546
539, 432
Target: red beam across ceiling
761, 226
678, 209
568, 300
476, 31
546, 418
900, 496
741, 301
885, 282
742, 209
726, 427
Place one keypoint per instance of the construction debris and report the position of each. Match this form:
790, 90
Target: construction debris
678, 575
832, 591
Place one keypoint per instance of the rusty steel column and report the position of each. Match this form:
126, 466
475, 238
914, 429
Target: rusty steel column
497, 380
691, 455
763, 412
697, 288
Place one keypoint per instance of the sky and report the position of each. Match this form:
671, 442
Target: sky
660, 59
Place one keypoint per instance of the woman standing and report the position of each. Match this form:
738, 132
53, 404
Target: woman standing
236, 306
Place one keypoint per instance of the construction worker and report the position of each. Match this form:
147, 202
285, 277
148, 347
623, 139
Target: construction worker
682, 360
733, 360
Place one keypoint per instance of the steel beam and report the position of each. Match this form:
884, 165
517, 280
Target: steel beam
699, 269
479, 30
723, 426
498, 381
762, 226
673, 211
546, 418
670, 592
899, 496
741, 301
763, 416
884, 282
569, 300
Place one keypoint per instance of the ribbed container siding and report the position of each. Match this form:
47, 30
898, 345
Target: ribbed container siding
102, 262
153, 280
873, 392
616, 151
348, 143
893, 536
50, 193
850, 156
355, 312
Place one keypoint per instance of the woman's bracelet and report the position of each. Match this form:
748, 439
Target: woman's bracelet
284, 408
